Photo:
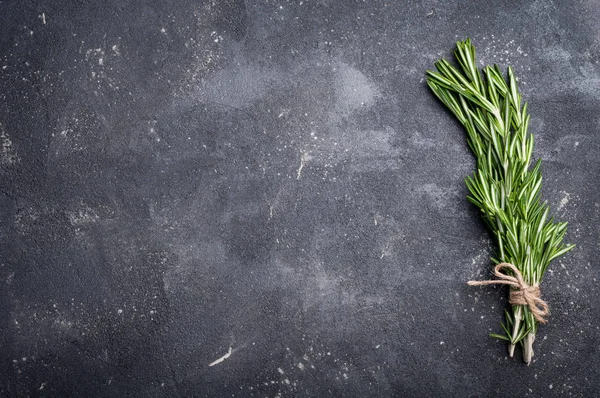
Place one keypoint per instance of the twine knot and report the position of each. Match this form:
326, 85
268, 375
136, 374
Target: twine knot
523, 294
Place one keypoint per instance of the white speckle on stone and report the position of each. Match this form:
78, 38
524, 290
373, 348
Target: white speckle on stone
564, 201
8, 156
84, 215
300, 366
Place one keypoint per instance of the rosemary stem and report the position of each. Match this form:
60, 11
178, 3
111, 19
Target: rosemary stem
516, 326
528, 347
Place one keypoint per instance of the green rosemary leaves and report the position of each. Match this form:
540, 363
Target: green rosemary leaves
504, 186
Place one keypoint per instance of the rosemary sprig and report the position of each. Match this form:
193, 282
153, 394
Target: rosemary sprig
504, 187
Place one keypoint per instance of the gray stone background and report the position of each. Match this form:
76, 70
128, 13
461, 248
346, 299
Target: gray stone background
273, 180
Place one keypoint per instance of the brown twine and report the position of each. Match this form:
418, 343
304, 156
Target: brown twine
524, 295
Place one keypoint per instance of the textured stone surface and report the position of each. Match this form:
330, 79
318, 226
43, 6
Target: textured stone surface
273, 181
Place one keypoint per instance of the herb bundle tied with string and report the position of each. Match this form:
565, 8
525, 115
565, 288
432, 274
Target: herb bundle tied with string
504, 187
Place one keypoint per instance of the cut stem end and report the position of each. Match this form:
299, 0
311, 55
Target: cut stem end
528, 347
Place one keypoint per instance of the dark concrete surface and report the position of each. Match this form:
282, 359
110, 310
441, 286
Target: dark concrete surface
273, 180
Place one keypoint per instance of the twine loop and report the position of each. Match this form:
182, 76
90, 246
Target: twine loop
521, 294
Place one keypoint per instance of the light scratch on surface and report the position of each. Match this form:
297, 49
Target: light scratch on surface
302, 163
385, 250
44, 18
224, 357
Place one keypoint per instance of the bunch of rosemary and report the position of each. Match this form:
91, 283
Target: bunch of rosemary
504, 187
